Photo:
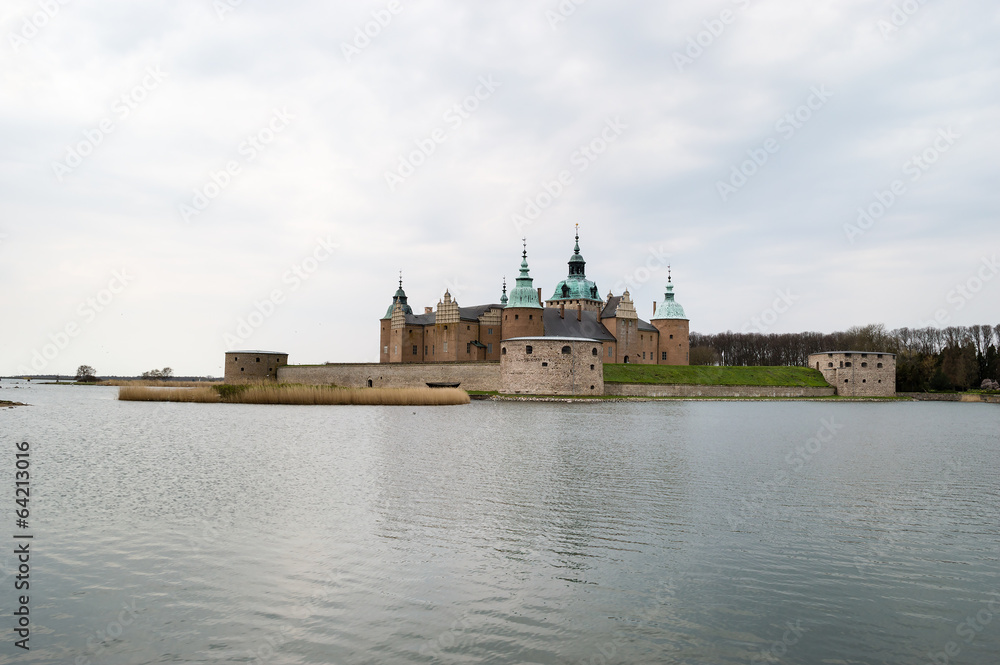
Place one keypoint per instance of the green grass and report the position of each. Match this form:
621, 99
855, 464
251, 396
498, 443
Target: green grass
702, 375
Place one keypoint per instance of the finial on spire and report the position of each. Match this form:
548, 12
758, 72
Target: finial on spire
524, 241
400, 279
669, 277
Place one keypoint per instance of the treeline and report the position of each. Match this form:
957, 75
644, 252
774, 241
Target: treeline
953, 358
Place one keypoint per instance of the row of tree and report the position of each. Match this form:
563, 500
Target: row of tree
953, 358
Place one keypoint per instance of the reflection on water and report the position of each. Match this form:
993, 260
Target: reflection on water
702, 532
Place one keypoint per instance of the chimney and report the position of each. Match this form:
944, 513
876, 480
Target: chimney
428, 310
539, 295
654, 308
579, 312
562, 310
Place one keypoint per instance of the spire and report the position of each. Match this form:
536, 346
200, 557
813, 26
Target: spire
576, 286
669, 308
503, 298
524, 295
576, 250
400, 298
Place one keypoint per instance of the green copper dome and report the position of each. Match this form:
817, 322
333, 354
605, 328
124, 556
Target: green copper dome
669, 308
576, 286
400, 297
524, 294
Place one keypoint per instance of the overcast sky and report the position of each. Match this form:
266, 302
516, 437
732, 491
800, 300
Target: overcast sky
170, 168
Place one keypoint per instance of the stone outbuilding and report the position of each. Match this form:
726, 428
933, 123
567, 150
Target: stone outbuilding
253, 366
551, 366
858, 373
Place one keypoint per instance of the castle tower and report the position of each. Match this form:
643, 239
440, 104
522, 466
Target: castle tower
386, 344
576, 289
522, 317
674, 327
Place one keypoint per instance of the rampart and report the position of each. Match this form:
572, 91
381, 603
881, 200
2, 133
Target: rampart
660, 390
484, 376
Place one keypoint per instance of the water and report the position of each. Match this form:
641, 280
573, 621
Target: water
666, 532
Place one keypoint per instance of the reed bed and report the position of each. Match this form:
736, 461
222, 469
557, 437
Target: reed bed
277, 394
150, 394
298, 394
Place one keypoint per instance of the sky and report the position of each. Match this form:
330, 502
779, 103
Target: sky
182, 178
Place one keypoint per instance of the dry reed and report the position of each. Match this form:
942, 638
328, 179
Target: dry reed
149, 394
304, 395
276, 394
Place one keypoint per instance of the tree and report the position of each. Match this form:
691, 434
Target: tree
164, 373
86, 373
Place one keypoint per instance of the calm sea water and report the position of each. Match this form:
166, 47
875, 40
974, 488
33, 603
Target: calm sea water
666, 532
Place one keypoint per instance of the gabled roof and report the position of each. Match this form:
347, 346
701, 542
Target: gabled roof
465, 314
611, 308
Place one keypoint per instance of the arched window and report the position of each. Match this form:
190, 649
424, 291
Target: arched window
567, 349
864, 364
829, 364
503, 351
594, 352
370, 383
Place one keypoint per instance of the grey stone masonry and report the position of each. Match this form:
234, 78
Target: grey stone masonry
858, 373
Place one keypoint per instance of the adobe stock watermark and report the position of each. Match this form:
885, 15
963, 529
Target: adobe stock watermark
767, 318
581, 159
915, 168
785, 127
657, 260
32, 24
364, 34
454, 117
223, 7
86, 314
967, 629
779, 648
714, 29
966, 291
761, 503
562, 12
248, 150
900, 16
121, 109
293, 279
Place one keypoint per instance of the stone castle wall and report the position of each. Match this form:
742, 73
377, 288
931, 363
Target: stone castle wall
856, 374
472, 376
654, 390
253, 366
551, 366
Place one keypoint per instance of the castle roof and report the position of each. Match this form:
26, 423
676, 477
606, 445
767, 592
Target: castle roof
576, 286
464, 313
669, 308
589, 327
399, 297
524, 295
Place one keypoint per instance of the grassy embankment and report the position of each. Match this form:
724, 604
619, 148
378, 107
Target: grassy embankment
297, 394
703, 375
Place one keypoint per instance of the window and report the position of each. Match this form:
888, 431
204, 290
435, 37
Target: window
385, 349
864, 355
847, 364
594, 352
592, 387
241, 369
609, 352
432, 349
829, 364
395, 348
592, 368
643, 355
258, 359
468, 327
425, 349
864, 380
864, 364
414, 349
515, 317
879, 356
841, 363
671, 337
489, 348
545, 364
879, 366
528, 350
370, 384
663, 355
468, 347
847, 355
567, 349
489, 331
531, 317
817, 365
235, 358
846, 380
503, 351
444, 348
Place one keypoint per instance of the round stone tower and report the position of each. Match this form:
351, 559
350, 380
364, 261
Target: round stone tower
522, 317
674, 326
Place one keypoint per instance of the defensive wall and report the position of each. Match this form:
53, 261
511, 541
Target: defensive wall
480, 376
662, 390
951, 397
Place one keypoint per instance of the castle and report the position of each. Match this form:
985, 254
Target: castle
576, 313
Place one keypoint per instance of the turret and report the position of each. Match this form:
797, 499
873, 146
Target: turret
522, 316
576, 289
674, 328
